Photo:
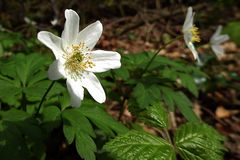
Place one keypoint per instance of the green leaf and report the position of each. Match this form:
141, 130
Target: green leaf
10, 93
95, 113
136, 145
146, 95
185, 107
50, 118
29, 77
176, 98
85, 146
188, 82
168, 96
28, 66
76, 125
37, 90
122, 73
69, 133
198, 141
14, 115
73, 117
155, 116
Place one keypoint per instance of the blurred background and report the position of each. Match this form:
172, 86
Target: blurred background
144, 25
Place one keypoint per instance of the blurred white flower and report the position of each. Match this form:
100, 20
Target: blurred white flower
191, 34
216, 40
75, 60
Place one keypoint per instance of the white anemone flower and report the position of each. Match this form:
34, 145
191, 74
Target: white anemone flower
190, 33
216, 40
75, 60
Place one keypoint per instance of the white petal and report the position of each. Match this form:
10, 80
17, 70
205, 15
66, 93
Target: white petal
71, 28
104, 60
76, 92
218, 50
187, 37
94, 87
56, 70
220, 39
188, 20
217, 32
51, 41
195, 53
217, 38
90, 35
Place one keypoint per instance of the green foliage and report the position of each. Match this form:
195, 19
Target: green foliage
155, 116
20, 136
193, 141
77, 126
232, 29
162, 82
51, 118
198, 141
146, 95
26, 81
136, 145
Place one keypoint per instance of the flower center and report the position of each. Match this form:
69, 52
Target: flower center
195, 34
77, 60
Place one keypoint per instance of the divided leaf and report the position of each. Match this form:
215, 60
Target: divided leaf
27, 80
77, 126
155, 116
136, 145
176, 98
198, 141
146, 95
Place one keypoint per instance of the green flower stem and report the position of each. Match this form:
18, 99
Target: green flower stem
156, 53
44, 96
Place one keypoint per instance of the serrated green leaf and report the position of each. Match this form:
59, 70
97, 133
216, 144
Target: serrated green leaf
198, 141
155, 116
85, 146
136, 145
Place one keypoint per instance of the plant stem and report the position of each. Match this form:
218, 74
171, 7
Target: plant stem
168, 136
156, 53
44, 96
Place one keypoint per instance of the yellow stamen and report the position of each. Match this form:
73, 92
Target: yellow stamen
195, 34
76, 61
